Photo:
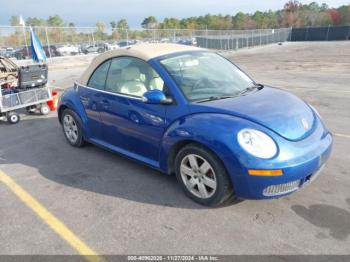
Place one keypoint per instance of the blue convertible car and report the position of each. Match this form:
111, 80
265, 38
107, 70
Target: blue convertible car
188, 111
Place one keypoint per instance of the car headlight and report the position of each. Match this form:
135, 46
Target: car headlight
315, 110
257, 143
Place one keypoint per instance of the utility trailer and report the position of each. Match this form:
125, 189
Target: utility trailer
32, 100
23, 87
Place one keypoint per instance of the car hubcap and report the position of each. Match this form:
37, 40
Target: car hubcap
14, 118
70, 128
198, 176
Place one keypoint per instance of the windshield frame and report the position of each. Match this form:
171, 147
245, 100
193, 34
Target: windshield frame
176, 54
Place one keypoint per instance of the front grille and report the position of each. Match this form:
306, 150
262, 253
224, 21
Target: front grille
281, 189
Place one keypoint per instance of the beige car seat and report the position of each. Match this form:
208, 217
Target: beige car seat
156, 82
131, 82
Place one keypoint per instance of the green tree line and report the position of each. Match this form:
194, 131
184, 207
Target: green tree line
294, 14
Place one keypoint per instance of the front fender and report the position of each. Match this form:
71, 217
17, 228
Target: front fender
218, 132
70, 99
212, 130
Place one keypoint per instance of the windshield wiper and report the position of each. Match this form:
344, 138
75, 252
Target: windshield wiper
212, 98
244, 91
250, 88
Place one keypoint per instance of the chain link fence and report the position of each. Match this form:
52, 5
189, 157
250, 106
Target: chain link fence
63, 41
237, 39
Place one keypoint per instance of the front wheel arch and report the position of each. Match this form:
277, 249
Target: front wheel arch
175, 149
225, 193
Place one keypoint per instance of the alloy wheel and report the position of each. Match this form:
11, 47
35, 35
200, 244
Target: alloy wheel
70, 128
198, 176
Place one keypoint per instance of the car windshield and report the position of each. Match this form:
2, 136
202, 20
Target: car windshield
204, 76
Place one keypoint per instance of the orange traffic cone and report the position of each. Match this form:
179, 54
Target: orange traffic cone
53, 103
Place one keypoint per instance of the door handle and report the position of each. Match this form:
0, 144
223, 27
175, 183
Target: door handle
105, 103
84, 99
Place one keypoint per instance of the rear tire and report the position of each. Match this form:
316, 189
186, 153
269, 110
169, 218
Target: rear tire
13, 117
202, 176
72, 129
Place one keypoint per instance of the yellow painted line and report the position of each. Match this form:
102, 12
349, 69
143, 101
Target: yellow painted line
55, 224
341, 135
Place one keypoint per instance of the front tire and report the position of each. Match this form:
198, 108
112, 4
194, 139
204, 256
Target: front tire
202, 176
72, 129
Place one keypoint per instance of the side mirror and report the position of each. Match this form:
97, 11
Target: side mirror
156, 97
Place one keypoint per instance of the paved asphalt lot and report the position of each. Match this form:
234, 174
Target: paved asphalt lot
117, 206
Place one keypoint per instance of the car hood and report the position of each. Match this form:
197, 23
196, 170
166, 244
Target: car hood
275, 109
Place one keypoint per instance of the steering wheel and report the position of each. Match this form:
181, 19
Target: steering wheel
198, 83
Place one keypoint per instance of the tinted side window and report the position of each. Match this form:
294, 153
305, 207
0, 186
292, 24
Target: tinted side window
98, 78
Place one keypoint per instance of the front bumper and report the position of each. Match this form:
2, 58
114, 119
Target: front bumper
293, 179
301, 163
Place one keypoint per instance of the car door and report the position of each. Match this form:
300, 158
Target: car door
129, 123
90, 97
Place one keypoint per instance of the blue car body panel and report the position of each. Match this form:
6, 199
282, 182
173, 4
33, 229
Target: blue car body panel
149, 132
264, 107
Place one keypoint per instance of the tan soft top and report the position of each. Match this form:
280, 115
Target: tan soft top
142, 51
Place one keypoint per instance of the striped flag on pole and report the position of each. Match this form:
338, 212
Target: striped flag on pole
38, 53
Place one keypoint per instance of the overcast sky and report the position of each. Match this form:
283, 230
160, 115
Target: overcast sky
87, 12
